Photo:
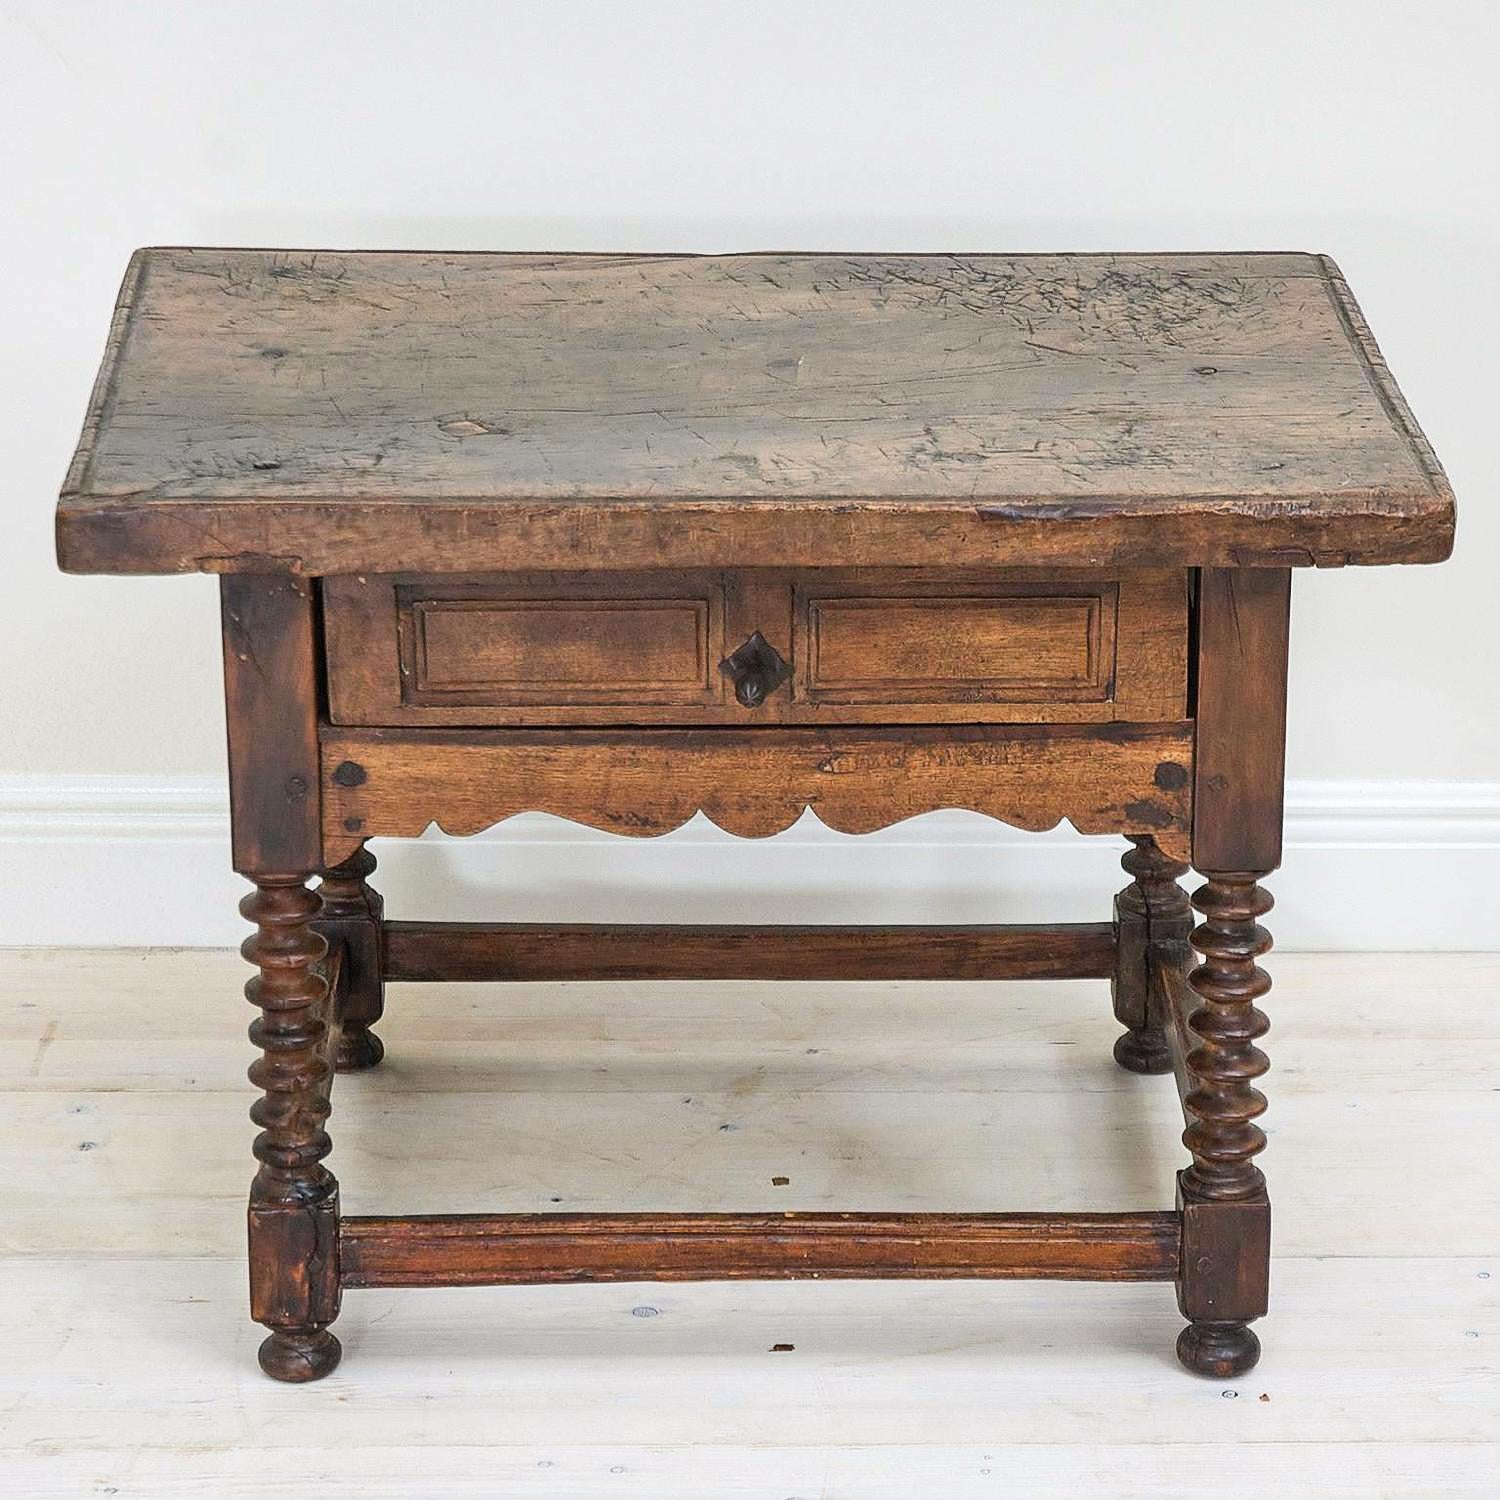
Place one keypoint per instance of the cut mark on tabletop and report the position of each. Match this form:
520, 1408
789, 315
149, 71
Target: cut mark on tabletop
465, 427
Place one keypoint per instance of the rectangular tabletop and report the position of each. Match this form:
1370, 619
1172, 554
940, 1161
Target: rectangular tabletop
326, 411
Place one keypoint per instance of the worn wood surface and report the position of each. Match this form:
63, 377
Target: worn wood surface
1108, 778
351, 918
1151, 916
271, 711
871, 645
1223, 1284
531, 951
1175, 1002
1239, 769
268, 415
516, 1249
436, 411
1225, 1274
1239, 746
293, 1212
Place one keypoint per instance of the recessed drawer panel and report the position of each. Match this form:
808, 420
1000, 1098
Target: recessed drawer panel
557, 651
525, 648
1018, 646
757, 646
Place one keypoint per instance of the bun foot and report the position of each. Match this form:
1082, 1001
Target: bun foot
298, 1357
1143, 1052
1219, 1350
359, 1048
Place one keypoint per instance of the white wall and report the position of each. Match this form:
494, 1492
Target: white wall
1367, 132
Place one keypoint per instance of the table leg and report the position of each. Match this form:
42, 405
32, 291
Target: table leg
1239, 766
1153, 908
352, 913
271, 702
294, 1281
1226, 1230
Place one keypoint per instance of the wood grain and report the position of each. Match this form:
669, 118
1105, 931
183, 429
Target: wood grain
1226, 1245
406, 410
908, 645
293, 1212
1152, 921
1239, 762
1239, 767
1111, 778
1014, 646
350, 919
271, 712
517, 1249
535, 951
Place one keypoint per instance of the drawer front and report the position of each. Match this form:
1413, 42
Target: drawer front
520, 648
1025, 644
656, 648
838, 646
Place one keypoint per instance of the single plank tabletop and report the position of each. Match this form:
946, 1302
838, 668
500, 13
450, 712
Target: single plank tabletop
327, 411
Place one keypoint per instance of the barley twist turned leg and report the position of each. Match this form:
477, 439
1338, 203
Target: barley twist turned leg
1153, 908
352, 914
1223, 1190
294, 1288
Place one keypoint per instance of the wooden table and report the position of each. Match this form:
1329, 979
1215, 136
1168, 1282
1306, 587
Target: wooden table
623, 537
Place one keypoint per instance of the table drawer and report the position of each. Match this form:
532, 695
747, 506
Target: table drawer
756, 646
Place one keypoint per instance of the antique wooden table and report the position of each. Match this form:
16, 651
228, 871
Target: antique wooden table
622, 537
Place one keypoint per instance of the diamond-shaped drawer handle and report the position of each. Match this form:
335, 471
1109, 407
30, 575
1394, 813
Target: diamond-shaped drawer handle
756, 669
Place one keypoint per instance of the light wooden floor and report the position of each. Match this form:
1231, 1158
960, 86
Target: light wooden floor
127, 1366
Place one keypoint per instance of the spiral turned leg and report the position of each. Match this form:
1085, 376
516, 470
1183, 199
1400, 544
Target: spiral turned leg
1152, 909
1226, 1227
294, 1284
1225, 1063
351, 914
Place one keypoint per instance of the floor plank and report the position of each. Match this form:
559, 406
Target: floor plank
1392, 1351
1329, 1471
130, 1366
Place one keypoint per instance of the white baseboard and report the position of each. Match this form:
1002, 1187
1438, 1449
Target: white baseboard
132, 861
